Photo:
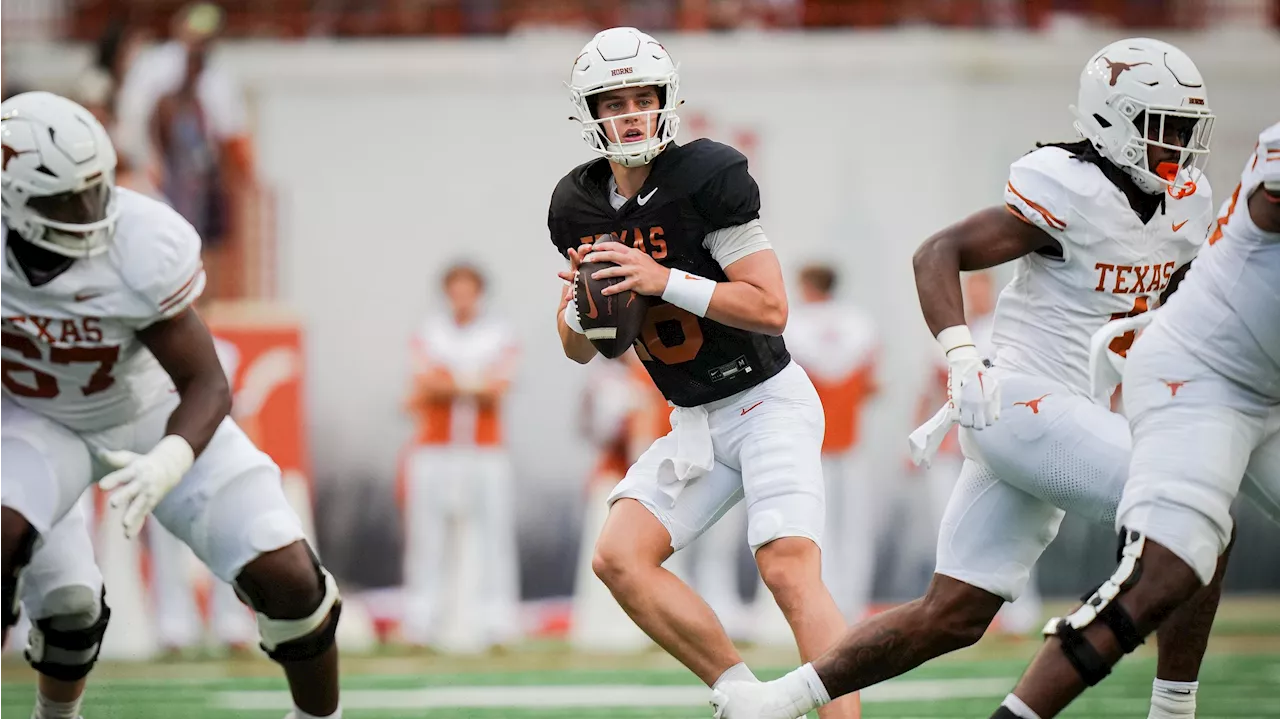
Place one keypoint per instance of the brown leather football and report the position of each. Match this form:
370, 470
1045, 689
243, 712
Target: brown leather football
611, 322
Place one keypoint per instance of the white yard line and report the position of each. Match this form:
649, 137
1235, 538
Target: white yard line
592, 695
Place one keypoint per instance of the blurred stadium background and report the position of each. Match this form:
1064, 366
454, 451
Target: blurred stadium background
346, 153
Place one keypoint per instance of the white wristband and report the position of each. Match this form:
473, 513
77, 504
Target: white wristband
689, 292
956, 337
571, 316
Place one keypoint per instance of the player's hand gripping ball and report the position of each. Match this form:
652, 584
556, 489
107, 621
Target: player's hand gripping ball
612, 322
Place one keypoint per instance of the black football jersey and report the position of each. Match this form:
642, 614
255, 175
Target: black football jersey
691, 191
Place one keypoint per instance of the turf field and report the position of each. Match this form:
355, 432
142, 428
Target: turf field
1241, 678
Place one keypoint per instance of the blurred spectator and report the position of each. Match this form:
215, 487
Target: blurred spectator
191, 176
181, 117
460, 556
838, 345
116, 51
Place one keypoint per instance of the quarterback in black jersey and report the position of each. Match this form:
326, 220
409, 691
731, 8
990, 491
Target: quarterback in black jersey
682, 224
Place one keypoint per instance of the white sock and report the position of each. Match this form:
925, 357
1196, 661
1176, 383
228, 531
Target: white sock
803, 689
46, 708
1173, 700
739, 672
299, 714
1018, 707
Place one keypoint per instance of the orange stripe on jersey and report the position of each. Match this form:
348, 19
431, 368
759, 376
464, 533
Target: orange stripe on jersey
1049, 217
1018, 214
435, 418
181, 294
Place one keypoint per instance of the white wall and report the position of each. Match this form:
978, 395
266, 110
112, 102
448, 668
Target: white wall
392, 159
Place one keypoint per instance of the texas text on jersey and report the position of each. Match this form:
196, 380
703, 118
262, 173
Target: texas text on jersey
71, 351
693, 190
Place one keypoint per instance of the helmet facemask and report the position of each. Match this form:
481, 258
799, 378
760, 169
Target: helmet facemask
630, 154
1151, 128
72, 224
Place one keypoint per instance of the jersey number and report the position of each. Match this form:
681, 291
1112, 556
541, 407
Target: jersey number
1121, 344
650, 345
46, 385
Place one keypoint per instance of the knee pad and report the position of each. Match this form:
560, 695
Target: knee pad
1101, 605
65, 645
292, 640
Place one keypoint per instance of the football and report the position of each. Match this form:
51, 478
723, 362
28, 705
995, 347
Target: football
611, 322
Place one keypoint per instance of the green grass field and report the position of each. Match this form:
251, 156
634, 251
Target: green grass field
542, 680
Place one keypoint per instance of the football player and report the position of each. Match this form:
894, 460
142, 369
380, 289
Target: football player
110, 376
460, 567
1098, 228
682, 224
1202, 389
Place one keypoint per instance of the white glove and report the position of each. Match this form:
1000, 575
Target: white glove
144, 479
758, 700
973, 395
1106, 368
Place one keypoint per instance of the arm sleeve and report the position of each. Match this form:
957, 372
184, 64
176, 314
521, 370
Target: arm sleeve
730, 244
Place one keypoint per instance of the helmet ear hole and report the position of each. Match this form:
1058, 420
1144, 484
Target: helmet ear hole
1101, 120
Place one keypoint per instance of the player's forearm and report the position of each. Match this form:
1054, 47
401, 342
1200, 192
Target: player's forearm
205, 402
937, 271
747, 307
434, 387
1264, 209
576, 346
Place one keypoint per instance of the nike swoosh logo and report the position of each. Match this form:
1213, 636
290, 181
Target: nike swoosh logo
85, 296
592, 312
757, 404
641, 199
1178, 225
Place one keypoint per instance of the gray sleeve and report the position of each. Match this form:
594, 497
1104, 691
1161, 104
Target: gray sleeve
730, 244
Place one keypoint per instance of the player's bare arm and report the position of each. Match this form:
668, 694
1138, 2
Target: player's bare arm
576, 345
985, 239
1264, 208
433, 385
754, 298
184, 348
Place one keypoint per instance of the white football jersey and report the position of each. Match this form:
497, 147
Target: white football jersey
71, 352
473, 354
1227, 311
1112, 266
831, 340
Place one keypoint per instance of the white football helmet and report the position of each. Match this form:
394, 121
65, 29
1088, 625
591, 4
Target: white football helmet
58, 187
1128, 91
624, 57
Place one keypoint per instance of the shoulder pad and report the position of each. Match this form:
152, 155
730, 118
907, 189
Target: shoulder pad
158, 256
715, 177
1044, 186
568, 201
